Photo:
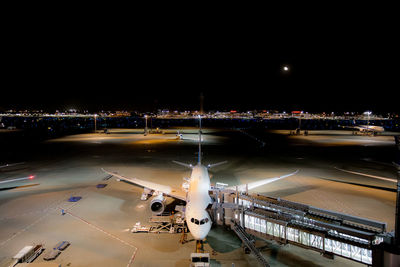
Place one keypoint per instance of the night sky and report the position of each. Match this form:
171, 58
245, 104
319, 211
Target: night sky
337, 63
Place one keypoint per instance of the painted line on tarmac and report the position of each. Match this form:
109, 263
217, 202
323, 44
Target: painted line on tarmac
132, 258
368, 175
107, 233
23, 230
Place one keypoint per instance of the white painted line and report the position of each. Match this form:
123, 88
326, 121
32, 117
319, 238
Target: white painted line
23, 230
368, 175
108, 234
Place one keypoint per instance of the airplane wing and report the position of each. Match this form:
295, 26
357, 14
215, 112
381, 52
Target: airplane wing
256, 184
165, 189
17, 179
11, 164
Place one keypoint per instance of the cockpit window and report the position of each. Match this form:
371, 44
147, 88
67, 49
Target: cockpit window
204, 221
193, 220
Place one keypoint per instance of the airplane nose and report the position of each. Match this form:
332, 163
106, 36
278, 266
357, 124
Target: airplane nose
198, 235
200, 232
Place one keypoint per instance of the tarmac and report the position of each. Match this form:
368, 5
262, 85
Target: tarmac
98, 225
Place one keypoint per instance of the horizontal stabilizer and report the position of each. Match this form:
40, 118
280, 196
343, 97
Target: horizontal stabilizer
190, 166
209, 166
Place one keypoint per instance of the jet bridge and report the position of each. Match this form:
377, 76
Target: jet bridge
328, 232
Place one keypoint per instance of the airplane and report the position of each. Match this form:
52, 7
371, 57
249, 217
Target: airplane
366, 129
370, 128
195, 192
179, 136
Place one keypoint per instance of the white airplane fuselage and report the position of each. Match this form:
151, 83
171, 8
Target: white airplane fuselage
370, 128
198, 198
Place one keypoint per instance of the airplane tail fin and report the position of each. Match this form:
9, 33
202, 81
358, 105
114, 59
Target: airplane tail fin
199, 157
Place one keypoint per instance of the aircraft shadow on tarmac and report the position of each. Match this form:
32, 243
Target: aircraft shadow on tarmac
289, 191
223, 240
16, 187
275, 254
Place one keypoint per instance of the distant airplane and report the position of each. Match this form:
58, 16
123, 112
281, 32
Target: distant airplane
179, 136
195, 192
366, 129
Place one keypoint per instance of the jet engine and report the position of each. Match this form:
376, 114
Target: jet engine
157, 204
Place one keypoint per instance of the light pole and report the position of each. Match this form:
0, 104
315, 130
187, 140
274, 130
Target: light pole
95, 125
145, 129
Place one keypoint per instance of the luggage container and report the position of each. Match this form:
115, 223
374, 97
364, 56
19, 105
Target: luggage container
51, 255
62, 245
37, 250
101, 185
200, 259
74, 199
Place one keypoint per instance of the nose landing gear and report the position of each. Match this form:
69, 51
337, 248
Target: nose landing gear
199, 246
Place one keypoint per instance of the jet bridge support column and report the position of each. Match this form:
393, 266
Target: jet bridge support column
391, 255
397, 222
